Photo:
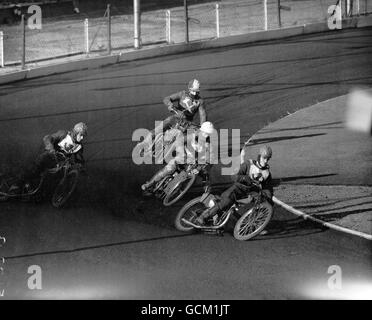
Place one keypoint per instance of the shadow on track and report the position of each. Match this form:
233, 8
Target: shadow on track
278, 181
291, 228
329, 125
106, 245
270, 140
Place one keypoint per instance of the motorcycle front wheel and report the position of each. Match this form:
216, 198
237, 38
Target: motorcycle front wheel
253, 222
178, 190
65, 188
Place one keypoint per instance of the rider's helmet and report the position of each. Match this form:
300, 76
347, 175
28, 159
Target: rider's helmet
80, 129
265, 152
207, 127
194, 87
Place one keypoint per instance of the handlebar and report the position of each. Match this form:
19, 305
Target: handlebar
257, 184
196, 168
58, 155
177, 112
181, 113
61, 158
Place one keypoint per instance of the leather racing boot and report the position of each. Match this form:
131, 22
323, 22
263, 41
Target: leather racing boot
210, 212
157, 177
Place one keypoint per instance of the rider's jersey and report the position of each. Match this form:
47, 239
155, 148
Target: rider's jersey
189, 105
62, 140
258, 173
68, 145
251, 171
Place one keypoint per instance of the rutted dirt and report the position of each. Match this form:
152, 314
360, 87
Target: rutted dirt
347, 206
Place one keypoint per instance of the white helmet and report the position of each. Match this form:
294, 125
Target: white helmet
194, 85
207, 127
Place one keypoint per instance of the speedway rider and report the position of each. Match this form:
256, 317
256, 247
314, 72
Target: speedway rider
251, 174
201, 150
66, 142
185, 104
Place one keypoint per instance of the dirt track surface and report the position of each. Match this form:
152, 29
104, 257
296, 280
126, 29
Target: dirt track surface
314, 146
113, 244
324, 169
346, 206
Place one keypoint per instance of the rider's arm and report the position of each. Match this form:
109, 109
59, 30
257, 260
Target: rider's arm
181, 151
243, 174
268, 187
79, 157
51, 140
243, 151
205, 174
170, 100
202, 112
210, 156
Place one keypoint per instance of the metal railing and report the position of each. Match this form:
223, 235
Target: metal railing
114, 29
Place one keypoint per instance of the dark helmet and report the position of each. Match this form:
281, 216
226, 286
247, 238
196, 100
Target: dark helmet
265, 152
80, 127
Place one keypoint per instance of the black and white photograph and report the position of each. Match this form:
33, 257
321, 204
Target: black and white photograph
196, 151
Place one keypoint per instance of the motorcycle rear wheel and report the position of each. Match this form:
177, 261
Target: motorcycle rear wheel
189, 211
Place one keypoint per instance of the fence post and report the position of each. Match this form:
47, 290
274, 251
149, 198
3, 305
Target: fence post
265, 15
137, 24
341, 14
109, 29
217, 20
279, 15
1, 49
168, 26
86, 35
348, 8
23, 25
186, 20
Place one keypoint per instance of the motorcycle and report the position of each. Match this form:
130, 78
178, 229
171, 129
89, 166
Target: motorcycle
161, 146
68, 170
255, 213
173, 187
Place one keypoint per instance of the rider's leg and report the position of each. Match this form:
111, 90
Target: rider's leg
210, 212
169, 122
227, 199
230, 195
167, 170
44, 161
205, 174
